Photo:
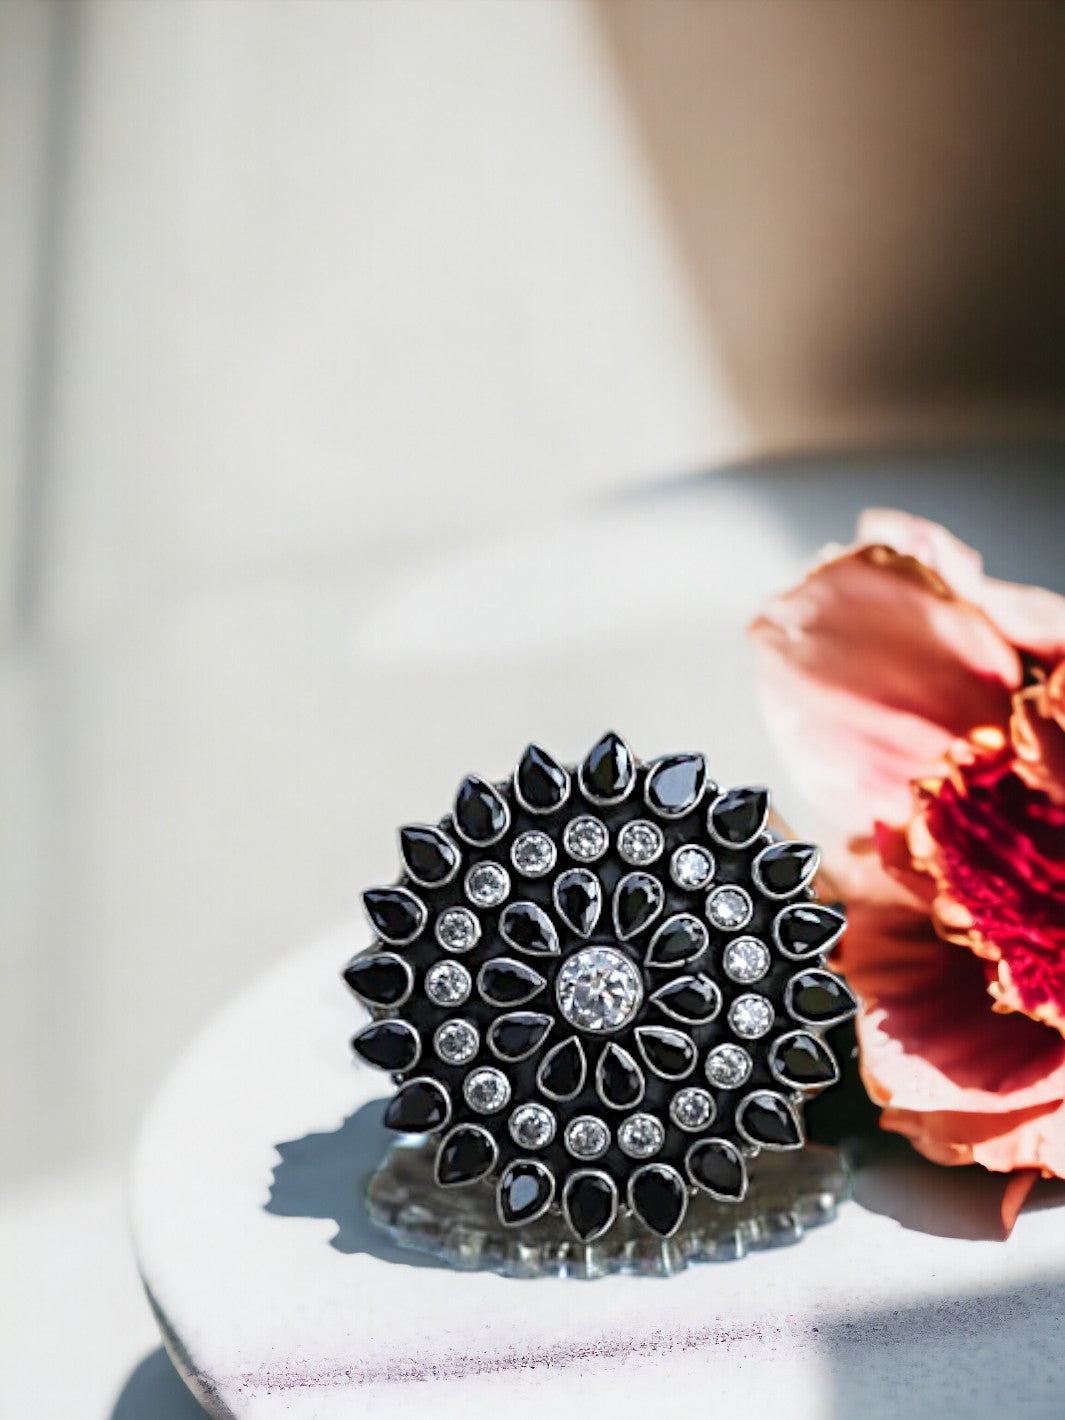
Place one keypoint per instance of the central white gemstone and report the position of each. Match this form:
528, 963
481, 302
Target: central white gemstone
599, 989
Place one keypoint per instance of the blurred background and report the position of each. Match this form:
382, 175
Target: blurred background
353, 357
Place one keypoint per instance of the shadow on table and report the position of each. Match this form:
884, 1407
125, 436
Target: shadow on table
155, 1391
325, 1176
983, 1356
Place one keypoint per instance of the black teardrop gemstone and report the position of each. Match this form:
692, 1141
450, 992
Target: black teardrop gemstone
517, 1035
638, 900
579, 900
618, 1079
609, 772
819, 998
590, 1203
799, 1058
739, 815
526, 1189
395, 914
675, 784
678, 941
689, 998
505, 982
382, 980
783, 868
716, 1166
563, 1070
669, 1053
467, 1153
768, 1119
429, 855
658, 1198
481, 815
542, 784
418, 1108
390, 1045
806, 929
529, 929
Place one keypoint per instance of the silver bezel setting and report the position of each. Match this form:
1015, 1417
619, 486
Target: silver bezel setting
782, 1077
814, 957
717, 1052
808, 876
523, 839
441, 1088
674, 1108
531, 1050
550, 1055
527, 1107
755, 1000
512, 1005
572, 1179
692, 848
751, 838
572, 828
685, 1191
452, 1023
582, 1119
484, 842
541, 1168
643, 825
624, 964
616, 798
484, 865
467, 915
600, 1071
394, 958
448, 1005
658, 764
433, 828
660, 1001
641, 1119
732, 1148
716, 893
762, 1143
823, 1022
468, 1085
476, 1178
658, 895
746, 980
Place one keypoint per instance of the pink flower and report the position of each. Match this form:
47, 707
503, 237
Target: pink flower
922, 705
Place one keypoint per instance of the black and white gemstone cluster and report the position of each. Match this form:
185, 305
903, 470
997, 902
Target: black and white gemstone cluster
602, 987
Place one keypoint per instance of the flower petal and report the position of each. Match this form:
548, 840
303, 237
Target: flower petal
1029, 617
871, 667
929, 1039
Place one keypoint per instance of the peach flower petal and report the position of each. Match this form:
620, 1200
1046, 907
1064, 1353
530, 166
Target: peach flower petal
1027, 1139
1030, 617
928, 1038
870, 667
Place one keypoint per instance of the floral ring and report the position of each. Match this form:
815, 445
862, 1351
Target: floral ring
601, 987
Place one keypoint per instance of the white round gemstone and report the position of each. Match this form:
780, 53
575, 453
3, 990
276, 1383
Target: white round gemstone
448, 983
728, 1066
533, 854
456, 1042
640, 842
586, 838
486, 1090
692, 1108
457, 929
532, 1126
641, 1136
587, 1137
750, 1016
691, 867
599, 989
729, 908
487, 884
745, 960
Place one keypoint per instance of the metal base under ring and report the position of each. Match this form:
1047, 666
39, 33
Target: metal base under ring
789, 1193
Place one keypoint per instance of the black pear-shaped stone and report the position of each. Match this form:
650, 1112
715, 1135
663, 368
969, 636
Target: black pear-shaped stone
609, 771
430, 856
638, 900
675, 784
783, 868
505, 982
481, 815
717, 1167
383, 980
563, 1070
579, 900
678, 941
819, 998
396, 914
769, 1119
689, 998
466, 1154
801, 1059
541, 781
418, 1108
528, 928
619, 1080
526, 1189
514, 1036
806, 929
390, 1045
590, 1203
669, 1053
658, 1197
739, 815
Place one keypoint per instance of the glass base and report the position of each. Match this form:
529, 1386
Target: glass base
788, 1194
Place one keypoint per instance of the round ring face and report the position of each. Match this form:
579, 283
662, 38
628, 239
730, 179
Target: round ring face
602, 987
